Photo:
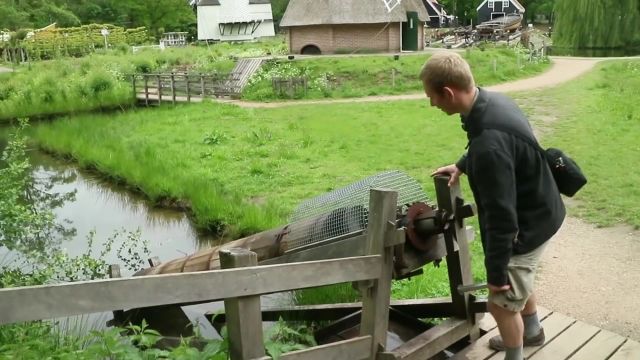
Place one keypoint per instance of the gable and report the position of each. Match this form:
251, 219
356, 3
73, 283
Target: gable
515, 3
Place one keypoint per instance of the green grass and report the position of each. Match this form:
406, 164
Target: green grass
343, 77
599, 127
248, 169
221, 160
101, 80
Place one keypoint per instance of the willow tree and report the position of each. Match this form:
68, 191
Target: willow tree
597, 23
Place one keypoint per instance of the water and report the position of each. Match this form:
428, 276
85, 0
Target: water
104, 208
623, 52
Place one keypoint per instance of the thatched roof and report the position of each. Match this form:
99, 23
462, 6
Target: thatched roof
322, 12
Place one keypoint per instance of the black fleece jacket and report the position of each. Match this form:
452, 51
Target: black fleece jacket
519, 205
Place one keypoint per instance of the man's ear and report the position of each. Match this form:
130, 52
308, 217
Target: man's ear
448, 93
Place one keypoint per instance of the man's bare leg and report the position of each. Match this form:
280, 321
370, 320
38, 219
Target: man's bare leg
511, 330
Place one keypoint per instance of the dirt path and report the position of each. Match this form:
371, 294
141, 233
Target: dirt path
562, 70
4, 70
593, 275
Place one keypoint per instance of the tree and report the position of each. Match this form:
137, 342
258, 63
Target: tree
597, 23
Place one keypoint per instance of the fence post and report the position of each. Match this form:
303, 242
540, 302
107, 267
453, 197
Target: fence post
244, 318
173, 88
458, 262
146, 89
186, 76
135, 91
159, 89
202, 86
376, 297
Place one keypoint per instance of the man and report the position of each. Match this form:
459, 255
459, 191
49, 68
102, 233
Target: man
519, 206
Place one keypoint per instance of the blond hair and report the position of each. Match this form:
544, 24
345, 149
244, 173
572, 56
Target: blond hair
446, 69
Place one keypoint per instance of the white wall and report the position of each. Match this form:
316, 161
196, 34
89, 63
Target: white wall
233, 11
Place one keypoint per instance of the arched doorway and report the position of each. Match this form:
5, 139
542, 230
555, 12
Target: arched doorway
310, 50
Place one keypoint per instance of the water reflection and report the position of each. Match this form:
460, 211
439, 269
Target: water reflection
85, 203
101, 207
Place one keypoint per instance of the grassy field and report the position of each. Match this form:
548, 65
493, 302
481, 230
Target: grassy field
343, 77
598, 124
101, 80
244, 170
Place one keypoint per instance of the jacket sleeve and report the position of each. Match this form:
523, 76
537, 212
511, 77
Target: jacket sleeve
462, 163
494, 177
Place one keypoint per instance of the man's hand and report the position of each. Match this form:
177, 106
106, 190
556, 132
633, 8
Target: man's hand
451, 170
497, 289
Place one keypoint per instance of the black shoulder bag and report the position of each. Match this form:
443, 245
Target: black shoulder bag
567, 174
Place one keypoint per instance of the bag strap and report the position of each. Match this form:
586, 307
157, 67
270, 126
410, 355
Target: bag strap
520, 136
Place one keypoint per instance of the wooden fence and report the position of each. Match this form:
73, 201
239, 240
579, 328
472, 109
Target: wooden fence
240, 283
173, 87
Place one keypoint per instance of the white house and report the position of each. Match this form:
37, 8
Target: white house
232, 20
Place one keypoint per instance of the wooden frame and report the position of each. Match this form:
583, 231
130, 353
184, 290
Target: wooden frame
241, 283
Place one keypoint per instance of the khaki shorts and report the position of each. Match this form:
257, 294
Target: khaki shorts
522, 272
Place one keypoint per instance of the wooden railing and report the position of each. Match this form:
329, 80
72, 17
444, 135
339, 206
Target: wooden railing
175, 87
240, 284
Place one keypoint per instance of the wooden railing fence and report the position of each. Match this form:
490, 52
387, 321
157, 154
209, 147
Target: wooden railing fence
240, 283
174, 87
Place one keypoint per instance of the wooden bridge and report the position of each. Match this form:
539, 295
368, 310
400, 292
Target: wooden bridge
241, 282
172, 88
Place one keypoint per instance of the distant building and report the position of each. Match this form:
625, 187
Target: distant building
232, 20
172, 39
491, 9
437, 15
329, 26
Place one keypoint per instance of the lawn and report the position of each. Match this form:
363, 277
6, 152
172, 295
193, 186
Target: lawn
102, 80
344, 77
244, 170
598, 124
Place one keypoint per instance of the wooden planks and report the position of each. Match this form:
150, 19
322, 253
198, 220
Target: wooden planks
430, 342
85, 297
353, 349
630, 350
601, 346
566, 339
567, 342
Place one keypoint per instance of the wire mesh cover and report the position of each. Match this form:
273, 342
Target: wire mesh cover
344, 211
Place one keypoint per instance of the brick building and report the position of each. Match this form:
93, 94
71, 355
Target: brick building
330, 26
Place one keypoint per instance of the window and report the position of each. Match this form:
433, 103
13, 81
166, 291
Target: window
491, 4
506, 4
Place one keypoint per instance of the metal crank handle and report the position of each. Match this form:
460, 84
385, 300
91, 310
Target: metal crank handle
471, 288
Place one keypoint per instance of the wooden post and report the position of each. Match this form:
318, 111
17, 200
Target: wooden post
135, 91
375, 298
244, 318
458, 262
393, 77
186, 76
159, 89
114, 273
173, 88
146, 89
202, 86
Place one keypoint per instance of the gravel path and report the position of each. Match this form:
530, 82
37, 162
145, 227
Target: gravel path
593, 274
562, 70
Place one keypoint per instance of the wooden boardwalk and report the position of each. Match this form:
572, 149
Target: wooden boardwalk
567, 338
